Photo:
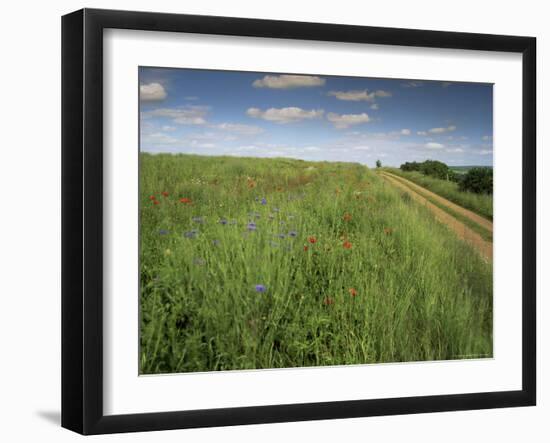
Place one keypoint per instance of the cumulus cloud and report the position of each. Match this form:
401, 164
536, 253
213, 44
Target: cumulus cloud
285, 115
442, 130
186, 115
357, 96
288, 81
152, 92
433, 145
412, 84
485, 151
422, 133
374, 106
342, 121
405, 132
239, 128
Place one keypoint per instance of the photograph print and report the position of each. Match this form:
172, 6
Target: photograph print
304, 220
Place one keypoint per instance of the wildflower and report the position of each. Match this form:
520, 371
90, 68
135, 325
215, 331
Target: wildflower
352, 292
312, 239
190, 234
156, 202
347, 217
185, 200
306, 248
327, 301
293, 234
251, 183
152, 197
167, 252
223, 221
163, 232
198, 219
164, 194
347, 245
263, 201
199, 261
260, 288
251, 226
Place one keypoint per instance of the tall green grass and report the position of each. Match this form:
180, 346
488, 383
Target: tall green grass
421, 294
481, 204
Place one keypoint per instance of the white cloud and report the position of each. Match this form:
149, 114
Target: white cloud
375, 106
285, 115
432, 145
442, 130
413, 84
239, 128
152, 92
422, 133
288, 81
357, 96
405, 132
485, 151
454, 150
361, 148
487, 138
342, 121
168, 128
158, 138
188, 115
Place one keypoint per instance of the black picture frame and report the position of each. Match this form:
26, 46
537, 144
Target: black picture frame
82, 218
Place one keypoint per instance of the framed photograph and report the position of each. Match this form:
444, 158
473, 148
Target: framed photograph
269, 221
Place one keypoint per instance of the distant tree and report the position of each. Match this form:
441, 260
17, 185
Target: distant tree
478, 180
410, 166
435, 168
378, 164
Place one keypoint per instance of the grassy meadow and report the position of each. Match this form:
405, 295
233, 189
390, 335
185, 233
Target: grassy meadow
481, 204
249, 263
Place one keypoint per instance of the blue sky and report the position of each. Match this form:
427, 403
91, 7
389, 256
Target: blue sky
315, 117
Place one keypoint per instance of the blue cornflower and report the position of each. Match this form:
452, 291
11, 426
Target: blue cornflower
163, 232
293, 234
223, 221
260, 288
251, 226
263, 201
190, 234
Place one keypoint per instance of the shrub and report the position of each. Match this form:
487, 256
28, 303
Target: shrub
478, 180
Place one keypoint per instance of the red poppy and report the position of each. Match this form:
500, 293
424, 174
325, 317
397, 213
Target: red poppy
347, 245
305, 248
347, 217
185, 200
352, 292
164, 194
328, 301
312, 239
156, 202
152, 197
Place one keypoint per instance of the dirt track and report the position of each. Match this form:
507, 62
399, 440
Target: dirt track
484, 247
